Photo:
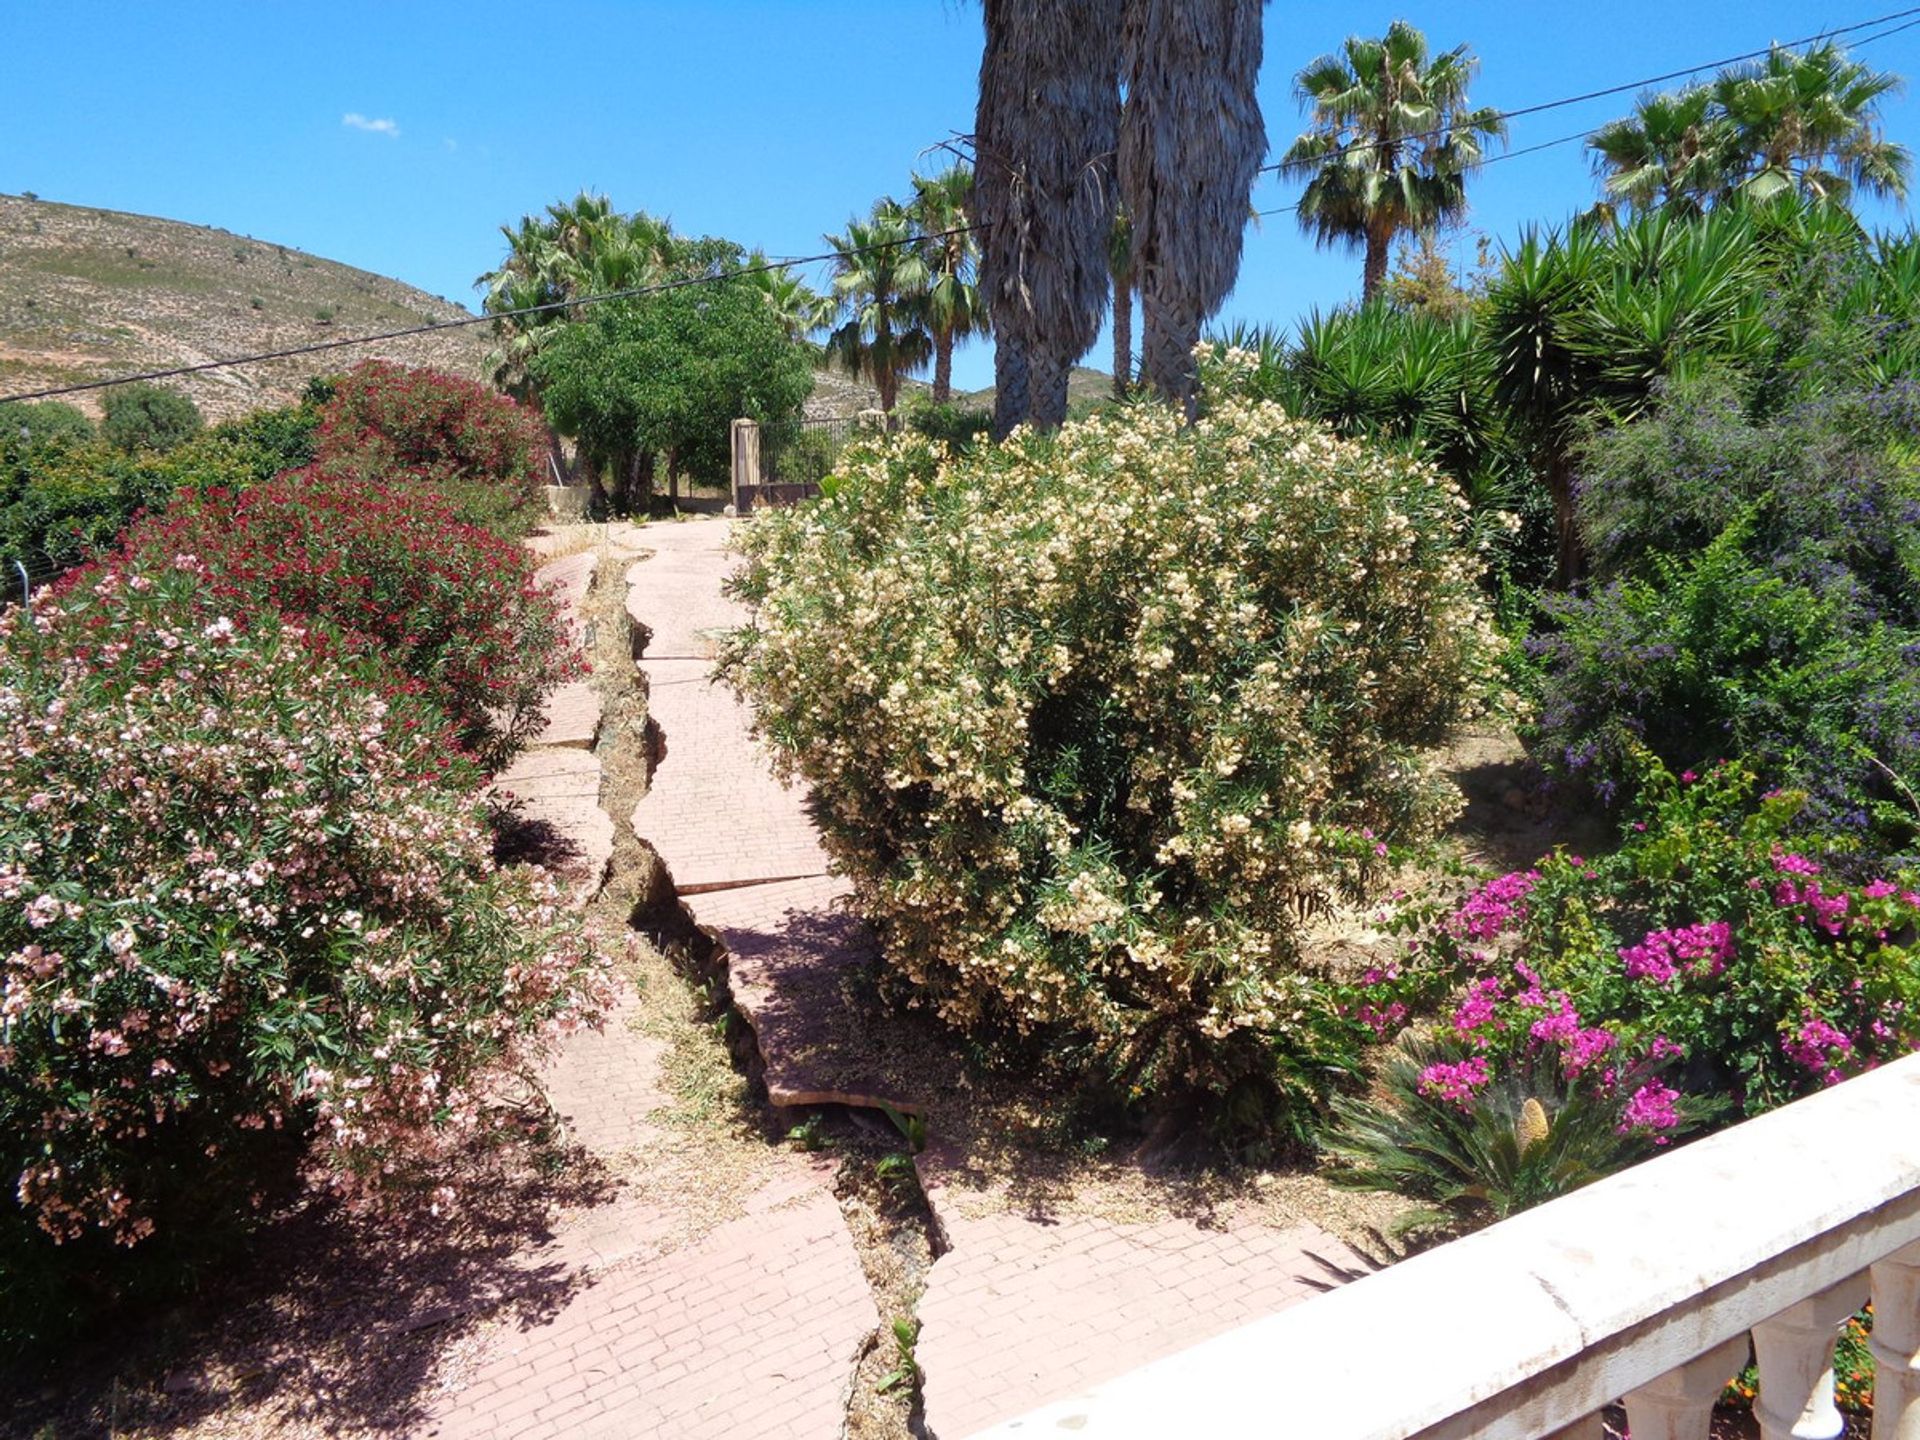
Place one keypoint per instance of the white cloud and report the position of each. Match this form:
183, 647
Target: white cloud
354, 120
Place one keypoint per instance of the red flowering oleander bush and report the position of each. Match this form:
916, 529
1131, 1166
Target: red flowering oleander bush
1705, 964
1091, 718
248, 908
483, 451
391, 565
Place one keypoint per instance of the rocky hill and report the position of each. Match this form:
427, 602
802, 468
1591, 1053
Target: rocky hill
86, 294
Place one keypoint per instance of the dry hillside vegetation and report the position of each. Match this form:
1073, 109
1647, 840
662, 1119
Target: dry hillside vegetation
86, 294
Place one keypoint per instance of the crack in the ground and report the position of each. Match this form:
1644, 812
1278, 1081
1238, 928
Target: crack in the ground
892, 1228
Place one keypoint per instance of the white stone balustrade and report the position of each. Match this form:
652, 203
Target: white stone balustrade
1643, 1287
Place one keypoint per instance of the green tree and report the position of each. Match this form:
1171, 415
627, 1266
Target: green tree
148, 417
39, 423
665, 375
1392, 140
952, 308
801, 309
881, 279
1583, 327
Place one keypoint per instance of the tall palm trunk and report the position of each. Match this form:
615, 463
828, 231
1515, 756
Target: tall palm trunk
1122, 332
1047, 386
1374, 274
1167, 318
943, 367
1191, 143
1011, 377
1044, 137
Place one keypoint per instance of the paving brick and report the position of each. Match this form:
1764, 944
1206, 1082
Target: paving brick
1019, 1311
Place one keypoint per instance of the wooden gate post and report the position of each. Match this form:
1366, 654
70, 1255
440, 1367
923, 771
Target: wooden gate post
746, 463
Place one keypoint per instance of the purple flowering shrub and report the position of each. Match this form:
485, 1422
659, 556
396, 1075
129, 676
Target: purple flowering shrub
1755, 591
248, 910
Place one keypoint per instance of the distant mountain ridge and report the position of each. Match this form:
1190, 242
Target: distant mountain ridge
87, 294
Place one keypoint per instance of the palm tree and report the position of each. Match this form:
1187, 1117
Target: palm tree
579, 247
1674, 152
1044, 136
1191, 143
941, 211
1807, 122
881, 280
801, 308
1583, 327
1393, 139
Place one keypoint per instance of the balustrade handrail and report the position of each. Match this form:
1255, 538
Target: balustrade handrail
1529, 1326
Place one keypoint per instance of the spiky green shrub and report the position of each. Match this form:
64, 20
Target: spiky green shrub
1091, 717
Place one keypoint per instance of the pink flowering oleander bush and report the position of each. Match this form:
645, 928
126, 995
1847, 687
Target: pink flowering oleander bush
247, 909
1706, 961
390, 565
1091, 718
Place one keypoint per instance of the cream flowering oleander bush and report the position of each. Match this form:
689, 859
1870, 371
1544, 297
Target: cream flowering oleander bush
1092, 719
248, 907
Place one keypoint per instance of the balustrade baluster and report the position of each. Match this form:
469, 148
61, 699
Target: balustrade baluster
1679, 1405
1795, 1354
1896, 1346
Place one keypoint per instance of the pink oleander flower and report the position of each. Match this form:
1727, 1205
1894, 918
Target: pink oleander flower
1584, 1047
1382, 1020
1477, 1011
1788, 863
1457, 1082
1561, 1025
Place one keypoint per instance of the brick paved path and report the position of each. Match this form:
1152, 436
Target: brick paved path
1025, 1308
753, 1330
743, 853
674, 1326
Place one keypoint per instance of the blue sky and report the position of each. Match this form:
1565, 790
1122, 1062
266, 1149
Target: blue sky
398, 136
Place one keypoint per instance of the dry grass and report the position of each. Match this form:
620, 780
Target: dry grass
86, 293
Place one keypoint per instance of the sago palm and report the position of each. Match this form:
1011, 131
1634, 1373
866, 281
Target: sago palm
1393, 137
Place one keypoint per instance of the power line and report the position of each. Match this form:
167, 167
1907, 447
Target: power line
634, 292
432, 327
1602, 94
1490, 160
